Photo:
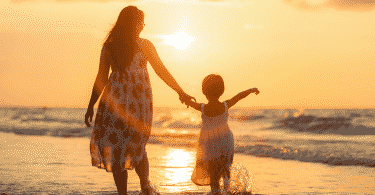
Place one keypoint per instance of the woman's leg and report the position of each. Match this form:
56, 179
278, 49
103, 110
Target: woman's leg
143, 173
121, 180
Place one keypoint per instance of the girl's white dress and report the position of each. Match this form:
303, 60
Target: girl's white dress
215, 148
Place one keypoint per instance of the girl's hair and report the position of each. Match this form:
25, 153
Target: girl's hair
213, 86
122, 39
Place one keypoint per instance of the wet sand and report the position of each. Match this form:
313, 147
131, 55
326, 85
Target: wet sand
49, 165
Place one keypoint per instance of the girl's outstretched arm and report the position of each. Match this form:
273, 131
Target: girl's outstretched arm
195, 105
240, 96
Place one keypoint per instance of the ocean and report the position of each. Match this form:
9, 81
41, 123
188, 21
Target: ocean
331, 136
46, 151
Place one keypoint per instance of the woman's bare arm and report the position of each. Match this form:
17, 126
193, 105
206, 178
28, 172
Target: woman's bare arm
240, 96
160, 69
101, 78
99, 85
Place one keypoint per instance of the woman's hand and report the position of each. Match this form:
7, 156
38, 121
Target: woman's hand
89, 115
185, 98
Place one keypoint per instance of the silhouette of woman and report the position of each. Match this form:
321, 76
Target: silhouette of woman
124, 117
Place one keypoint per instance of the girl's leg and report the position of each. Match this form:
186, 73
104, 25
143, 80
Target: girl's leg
142, 171
215, 178
226, 178
215, 186
121, 180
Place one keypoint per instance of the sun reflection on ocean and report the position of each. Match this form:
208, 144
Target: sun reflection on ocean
179, 158
179, 167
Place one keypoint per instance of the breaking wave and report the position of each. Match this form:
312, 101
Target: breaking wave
180, 128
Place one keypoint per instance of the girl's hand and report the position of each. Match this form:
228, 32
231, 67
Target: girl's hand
89, 115
254, 90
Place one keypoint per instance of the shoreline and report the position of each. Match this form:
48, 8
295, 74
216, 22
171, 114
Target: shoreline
51, 165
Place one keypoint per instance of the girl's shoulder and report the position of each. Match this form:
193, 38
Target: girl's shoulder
214, 110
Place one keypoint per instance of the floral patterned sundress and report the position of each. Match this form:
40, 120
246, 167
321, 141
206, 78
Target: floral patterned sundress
124, 117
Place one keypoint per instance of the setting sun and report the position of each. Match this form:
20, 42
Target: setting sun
318, 47
180, 40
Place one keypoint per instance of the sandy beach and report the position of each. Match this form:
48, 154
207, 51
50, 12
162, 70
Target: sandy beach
50, 165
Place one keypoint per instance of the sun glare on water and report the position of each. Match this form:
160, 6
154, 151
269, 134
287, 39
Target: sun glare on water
180, 40
178, 169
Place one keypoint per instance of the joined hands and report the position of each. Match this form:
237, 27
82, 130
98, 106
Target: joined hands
185, 98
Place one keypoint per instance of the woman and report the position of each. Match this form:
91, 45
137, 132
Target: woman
124, 118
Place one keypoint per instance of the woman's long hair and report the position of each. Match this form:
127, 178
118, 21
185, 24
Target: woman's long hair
122, 39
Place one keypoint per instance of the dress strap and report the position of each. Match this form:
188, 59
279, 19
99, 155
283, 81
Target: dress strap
226, 106
139, 42
202, 108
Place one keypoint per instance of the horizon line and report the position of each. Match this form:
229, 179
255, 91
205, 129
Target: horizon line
181, 107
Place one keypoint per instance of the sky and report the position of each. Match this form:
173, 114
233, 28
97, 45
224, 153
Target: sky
299, 54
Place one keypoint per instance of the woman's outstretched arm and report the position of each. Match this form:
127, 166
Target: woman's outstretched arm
156, 63
99, 85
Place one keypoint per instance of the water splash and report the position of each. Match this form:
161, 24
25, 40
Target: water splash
241, 181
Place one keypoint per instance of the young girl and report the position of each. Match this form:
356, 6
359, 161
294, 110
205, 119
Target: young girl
216, 145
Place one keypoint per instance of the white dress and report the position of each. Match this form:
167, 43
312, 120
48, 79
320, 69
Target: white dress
215, 148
